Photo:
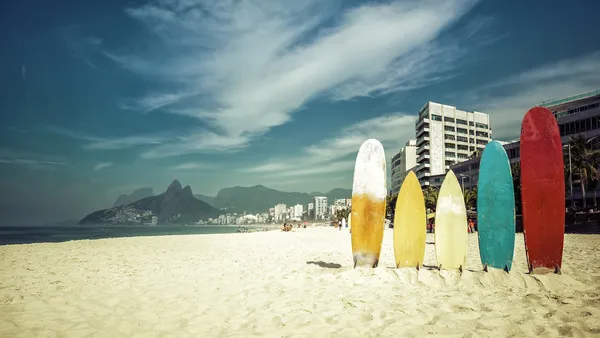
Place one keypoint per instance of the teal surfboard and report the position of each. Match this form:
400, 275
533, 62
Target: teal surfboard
495, 208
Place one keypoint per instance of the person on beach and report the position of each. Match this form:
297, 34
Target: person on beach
471, 226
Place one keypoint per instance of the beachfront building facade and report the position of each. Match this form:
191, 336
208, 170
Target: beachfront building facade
402, 163
578, 114
280, 211
446, 135
320, 207
467, 172
298, 209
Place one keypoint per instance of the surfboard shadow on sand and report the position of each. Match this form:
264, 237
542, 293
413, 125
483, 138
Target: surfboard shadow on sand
325, 264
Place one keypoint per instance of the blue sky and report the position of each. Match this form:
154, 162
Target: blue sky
102, 97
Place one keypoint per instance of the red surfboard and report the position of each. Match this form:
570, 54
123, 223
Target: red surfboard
542, 191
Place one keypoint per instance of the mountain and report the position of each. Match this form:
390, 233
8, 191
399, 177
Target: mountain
176, 205
135, 196
259, 198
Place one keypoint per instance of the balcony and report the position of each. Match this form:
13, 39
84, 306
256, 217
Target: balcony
420, 122
422, 140
422, 157
422, 131
422, 149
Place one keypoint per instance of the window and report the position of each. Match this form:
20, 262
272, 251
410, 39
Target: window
450, 146
471, 132
471, 140
449, 128
450, 154
463, 122
449, 137
449, 119
462, 139
481, 134
436, 117
471, 123
462, 147
463, 156
482, 142
450, 162
461, 130
481, 125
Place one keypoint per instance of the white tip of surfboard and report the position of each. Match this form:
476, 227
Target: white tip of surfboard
369, 171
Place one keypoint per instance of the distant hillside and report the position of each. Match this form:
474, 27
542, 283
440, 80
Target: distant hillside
134, 196
204, 198
260, 198
176, 205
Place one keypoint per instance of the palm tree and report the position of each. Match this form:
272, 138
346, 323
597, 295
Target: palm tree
515, 170
582, 163
390, 205
475, 154
431, 195
471, 198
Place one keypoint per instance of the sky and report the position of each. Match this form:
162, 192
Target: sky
99, 98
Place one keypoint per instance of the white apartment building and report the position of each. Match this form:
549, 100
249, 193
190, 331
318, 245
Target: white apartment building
343, 202
311, 209
280, 211
445, 136
402, 163
298, 209
320, 207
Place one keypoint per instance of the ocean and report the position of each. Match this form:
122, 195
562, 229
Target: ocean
53, 234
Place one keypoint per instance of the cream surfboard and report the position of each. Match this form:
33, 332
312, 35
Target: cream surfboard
410, 224
450, 225
368, 204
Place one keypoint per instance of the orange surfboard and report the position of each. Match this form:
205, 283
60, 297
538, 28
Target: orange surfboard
368, 204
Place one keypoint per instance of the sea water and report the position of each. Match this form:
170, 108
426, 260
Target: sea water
41, 234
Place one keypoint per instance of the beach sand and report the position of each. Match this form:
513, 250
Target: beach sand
285, 284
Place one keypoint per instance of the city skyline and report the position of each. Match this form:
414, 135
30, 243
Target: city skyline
102, 98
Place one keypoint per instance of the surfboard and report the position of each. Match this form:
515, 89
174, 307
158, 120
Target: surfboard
495, 208
542, 191
410, 224
450, 225
368, 204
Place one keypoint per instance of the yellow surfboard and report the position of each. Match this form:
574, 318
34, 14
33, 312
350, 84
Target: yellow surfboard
410, 224
450, 225
368, 204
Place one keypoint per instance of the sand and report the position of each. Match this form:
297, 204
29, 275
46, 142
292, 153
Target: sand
285, 284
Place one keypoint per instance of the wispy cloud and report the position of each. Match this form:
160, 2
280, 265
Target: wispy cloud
103, 165
245, 67
193, 166
20, 157
101, 143
507, 100
330, 155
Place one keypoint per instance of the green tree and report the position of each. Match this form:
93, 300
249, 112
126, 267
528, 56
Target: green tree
583, 163
341, 213
390, 206
515, 170
471, 198
431, 195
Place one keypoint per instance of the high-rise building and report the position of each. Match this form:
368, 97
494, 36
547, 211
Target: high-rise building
446, 135
320, 207
311, 210
402, 163
298, 210
280, 211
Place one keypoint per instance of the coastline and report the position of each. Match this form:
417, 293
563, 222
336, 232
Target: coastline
286, 284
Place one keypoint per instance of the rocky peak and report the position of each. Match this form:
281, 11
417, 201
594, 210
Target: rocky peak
175, 187
187, 192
